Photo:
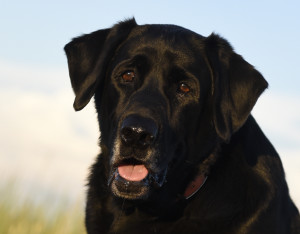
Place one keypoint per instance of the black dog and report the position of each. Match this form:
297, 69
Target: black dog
180, 152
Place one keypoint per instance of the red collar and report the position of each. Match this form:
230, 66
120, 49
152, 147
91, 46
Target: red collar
194, 186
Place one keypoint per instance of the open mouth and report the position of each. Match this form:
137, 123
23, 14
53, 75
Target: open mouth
132, 179
133, 172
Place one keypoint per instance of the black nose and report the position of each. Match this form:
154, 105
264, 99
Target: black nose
138, 131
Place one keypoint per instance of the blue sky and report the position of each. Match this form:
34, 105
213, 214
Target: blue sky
38, 125
266, 33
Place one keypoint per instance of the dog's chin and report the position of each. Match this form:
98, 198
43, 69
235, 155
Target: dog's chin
136, 190
131, 190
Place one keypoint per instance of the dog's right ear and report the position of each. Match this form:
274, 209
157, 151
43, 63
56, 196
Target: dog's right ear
88, 57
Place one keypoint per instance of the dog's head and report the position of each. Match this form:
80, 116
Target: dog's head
165, 98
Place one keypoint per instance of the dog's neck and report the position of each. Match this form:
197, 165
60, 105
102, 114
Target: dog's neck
201, 176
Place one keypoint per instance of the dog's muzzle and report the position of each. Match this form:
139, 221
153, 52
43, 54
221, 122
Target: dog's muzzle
133, 170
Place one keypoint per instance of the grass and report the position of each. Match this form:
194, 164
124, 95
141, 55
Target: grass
27, 217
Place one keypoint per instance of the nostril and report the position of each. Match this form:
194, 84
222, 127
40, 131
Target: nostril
146, 139
136, 136
138, 131
127, 135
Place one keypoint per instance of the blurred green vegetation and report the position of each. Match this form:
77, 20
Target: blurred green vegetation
28, 217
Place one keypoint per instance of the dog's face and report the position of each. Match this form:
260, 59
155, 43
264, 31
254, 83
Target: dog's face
159, 90
156, 87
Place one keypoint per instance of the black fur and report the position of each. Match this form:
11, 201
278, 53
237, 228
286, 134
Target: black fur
177, 104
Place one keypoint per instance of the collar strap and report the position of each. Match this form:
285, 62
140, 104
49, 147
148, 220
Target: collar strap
194, 186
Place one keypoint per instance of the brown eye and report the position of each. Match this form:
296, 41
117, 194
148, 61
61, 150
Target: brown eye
128, 76
184, 88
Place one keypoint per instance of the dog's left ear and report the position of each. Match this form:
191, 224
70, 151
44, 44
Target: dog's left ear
88, 57
236, 86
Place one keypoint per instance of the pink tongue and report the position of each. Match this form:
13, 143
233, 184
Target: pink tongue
133, 172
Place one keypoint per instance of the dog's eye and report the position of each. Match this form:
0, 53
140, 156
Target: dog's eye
184, 88
128, 76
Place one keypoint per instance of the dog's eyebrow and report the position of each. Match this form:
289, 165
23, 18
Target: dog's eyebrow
139, 57
145, 52
179, 73
132, 60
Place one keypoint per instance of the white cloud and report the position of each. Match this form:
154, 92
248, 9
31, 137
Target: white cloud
33, 78
44, 144
280, 116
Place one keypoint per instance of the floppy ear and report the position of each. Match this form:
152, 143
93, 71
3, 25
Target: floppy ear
88, 57
236, 86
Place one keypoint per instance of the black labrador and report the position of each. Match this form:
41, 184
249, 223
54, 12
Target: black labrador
180, 151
